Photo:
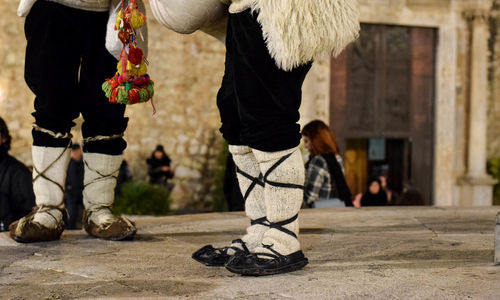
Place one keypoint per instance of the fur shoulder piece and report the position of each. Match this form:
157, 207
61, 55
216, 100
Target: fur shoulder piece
299, 31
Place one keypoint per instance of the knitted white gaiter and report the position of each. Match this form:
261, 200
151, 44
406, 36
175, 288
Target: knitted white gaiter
50, 165
282, 203
101, 171
255, 207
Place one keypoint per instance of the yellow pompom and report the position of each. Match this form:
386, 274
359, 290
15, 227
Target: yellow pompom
137, 70
129, 67
119, 18
136, 19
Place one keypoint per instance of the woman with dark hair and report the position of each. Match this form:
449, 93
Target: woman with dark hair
375, 195
159, 168
325, 184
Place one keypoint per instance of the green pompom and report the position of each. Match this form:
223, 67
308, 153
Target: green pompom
144, 94
122, 97
151, 88
106, 87
128, 85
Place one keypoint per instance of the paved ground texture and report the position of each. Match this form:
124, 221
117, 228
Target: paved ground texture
379, 253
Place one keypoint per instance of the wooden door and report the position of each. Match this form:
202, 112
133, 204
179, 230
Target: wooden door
382, 86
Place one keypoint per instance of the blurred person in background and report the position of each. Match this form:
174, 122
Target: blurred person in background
391, 195
159, 167
74, 186
16, 188
325, 184
124, 175
374, 195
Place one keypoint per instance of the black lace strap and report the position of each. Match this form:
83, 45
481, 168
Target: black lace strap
242, 243
280, 184
237, 241
268, 254
260, 221
279, 225
255, 181
275, 255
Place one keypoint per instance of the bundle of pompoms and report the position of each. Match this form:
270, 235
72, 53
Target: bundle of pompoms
131, 83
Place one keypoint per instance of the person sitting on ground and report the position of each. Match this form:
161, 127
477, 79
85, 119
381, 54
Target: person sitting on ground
74, 186
375, 195
16, 188
325, 184
159, 168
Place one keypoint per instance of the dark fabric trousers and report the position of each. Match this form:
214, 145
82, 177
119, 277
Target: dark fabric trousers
258, 102
66, 64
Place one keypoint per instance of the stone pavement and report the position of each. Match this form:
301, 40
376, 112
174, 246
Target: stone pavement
374, 253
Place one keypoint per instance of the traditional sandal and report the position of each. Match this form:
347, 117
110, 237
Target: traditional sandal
253, 264
218, 257
25, 230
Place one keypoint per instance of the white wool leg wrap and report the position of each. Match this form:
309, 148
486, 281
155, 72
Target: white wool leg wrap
282, 203
101, 171
50, 165
255, 207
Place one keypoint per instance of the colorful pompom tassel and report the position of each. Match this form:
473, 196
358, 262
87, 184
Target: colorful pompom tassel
131, 83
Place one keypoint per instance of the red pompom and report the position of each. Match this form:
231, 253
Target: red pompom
124, 36
140, 81
135, 55
133, 96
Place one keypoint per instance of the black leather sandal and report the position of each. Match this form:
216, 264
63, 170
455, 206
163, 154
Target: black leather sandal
218, 257
253, 264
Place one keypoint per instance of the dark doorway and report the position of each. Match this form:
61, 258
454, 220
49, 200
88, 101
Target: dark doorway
382, 93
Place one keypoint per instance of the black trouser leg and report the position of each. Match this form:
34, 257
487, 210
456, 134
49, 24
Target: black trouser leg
226, 100
102, 118
51, 70
66, 64
265, 98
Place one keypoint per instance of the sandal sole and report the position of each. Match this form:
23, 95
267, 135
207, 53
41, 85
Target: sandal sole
265, 272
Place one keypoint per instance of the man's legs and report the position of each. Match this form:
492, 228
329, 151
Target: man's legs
268, 100
102, 131
51, 72
247, 172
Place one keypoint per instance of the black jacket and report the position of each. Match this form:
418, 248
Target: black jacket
156, 175
338, 179
16, 190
